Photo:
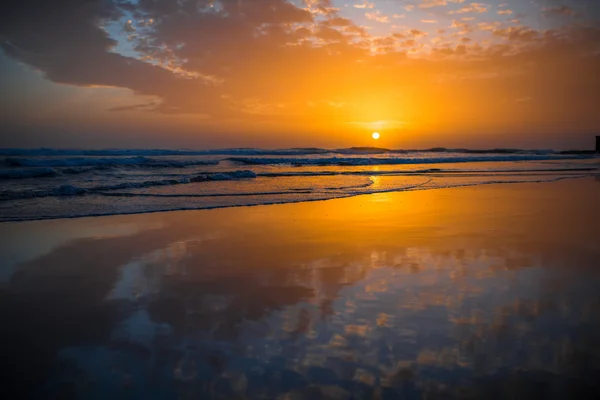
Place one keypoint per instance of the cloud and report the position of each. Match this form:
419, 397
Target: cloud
265, 60
329, 34
377, 16
66, 31
560, 11
418, 33
137, 107
365, 4
518, 33
315, 7
463, 27
128, 26
489, 26
471, 8
437, 3
459, 50
338, 21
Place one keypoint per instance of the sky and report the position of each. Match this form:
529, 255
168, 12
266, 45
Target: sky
299, 73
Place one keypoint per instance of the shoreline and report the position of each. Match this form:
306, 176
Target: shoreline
433, 278
410, 189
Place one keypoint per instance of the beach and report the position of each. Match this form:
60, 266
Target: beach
488, 291
300, 199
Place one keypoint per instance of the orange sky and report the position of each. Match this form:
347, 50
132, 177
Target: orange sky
277, 73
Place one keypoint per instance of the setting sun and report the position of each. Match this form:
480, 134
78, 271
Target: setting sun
375, 135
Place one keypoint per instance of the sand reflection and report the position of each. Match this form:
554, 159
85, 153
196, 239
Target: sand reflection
463, 293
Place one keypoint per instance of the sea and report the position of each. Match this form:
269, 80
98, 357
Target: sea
489, 292
65, 183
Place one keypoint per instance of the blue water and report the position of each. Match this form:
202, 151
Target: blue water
47, 183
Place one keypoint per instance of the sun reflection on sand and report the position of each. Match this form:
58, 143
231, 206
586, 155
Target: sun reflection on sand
355, 296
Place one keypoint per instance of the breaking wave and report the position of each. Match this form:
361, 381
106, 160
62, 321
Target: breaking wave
362, 161
71, 190
299, 151
49, 183
147, 203
109, 162
23, 173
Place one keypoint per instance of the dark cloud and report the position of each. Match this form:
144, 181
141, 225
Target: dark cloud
137, 107
590, 9
519, 33
338, 21
65, 40
330, 34
561, 11
128, 27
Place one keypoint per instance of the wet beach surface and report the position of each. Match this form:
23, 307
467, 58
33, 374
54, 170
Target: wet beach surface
485, 292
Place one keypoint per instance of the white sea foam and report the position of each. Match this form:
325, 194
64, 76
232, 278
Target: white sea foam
123, 204
104, 182
363, 161
255, 151
159, 152
112, 161
71, 190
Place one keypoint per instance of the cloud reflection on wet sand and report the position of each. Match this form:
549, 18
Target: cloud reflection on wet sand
463, 293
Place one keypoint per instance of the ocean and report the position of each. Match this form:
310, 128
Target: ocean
53, 183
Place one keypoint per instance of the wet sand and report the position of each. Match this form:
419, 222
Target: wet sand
487, 291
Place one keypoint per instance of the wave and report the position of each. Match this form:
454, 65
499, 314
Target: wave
194, 195
71, 190
159, 152
37, 172
343, 191
14, 173
290, 191
12, 152
226, 176
423, 186
428, 171
287, 197
41, 172
168, 209
112, 161
356, 161
381, 150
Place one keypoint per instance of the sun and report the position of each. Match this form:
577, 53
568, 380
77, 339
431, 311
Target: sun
375, 135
